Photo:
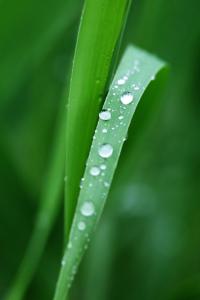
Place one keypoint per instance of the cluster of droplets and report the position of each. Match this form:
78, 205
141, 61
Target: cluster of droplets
105, 150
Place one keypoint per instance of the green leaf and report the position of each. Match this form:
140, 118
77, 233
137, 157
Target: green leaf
101, 24
40, 27
50, 203
137, 69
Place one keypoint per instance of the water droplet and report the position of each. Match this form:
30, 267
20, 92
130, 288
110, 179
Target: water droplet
105, 150
87, 209
105, 115
95, 171
136, 88
63, 262
120, 117
126, 98
121, 81
65, 178
106, 184
81, 225
104, 130
103, 167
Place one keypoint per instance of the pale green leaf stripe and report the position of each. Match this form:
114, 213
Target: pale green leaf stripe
138, 69
101, 24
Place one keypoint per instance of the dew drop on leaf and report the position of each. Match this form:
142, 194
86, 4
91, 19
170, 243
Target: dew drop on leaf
81, 225
87, 209
63, 262
105, 150
95, 171
126, 98
121, 81
103, 167
105, 115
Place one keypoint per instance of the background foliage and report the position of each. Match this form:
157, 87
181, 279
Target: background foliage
148, 242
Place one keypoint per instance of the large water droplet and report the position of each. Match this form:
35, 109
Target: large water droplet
87, 209
126, 98
81, 225
95, 171
105, 115
105, 150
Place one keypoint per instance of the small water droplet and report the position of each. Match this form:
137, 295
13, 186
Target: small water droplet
87, 209
105, 150
104, 130
95, 171
120, 117
106, 184
81, 225
103, 167
121, 81
136, 88
105, 115
65, 178
63, 262
126, 98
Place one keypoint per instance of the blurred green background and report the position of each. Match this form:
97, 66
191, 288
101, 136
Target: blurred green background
147, 246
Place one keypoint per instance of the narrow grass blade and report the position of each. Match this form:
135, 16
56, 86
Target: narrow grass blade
50, 203
101, 24
133, 76
32, 47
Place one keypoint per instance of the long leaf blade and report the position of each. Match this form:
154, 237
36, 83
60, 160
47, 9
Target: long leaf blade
50, 203
133, 76
101, 24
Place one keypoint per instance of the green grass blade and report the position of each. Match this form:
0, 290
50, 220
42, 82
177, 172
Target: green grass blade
133, 76
50, 203
101, 24
30, 48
